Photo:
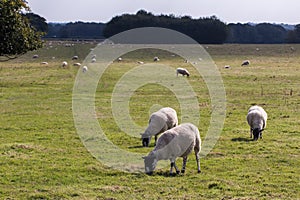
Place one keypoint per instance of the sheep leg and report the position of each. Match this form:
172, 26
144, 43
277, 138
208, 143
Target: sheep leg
173, 165
155, 138
184, 159
198, 162
250, 132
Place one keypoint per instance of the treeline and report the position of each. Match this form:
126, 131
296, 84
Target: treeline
76, 30
209, 30
203, 30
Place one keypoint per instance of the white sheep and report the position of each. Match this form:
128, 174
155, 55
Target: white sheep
35, 56
84, 69
179, 141
64, 64
155, 59
245, 63
44, 63
75, 58
159, 121
94, 60
257, 120
120, 59
182, 71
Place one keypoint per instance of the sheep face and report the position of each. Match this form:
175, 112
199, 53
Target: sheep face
146, 141
150, 162
257, 133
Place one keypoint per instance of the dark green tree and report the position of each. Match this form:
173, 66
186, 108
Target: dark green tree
16, 34
37, 22
294, 35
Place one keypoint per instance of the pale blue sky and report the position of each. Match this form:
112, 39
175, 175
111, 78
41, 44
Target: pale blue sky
273, 11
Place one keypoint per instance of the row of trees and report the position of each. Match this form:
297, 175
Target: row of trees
78, 30
203, 30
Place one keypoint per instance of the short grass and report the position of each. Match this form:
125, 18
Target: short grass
42, 157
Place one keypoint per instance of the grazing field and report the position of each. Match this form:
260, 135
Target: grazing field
42, 156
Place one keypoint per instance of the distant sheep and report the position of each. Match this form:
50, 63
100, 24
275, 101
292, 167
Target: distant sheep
179, 141
35, 56
120, 59
257, 120
94, 60
44, 63
77, 64
64, 64
75, 58
159, 121
245, 63
182, 71
155, 59
84, 69
140, 62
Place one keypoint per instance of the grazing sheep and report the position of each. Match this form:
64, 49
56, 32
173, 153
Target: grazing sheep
257, 120
140, 62
77, 64
159, 121
44, 63
75, 58
35, 56
245, 63
179, 141
120, 59
182, 71
156, 59
94, 60
227, 67
64, 64
84, 69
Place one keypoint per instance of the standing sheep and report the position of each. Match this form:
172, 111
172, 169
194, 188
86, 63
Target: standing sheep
84, 69
159, 121
155, 59
179, 141
182, 71
257, 120
64, 64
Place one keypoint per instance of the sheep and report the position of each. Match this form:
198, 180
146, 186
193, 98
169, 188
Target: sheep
64, 64
35, 56
94, 60
155, 59
159, 121
245, 63
84, 69
179, 141
77, 64
227, 67
182, 71
75, 58
120, 59
140, 62
257, 120
44, 63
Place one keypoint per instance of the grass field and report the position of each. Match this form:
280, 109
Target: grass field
42, 156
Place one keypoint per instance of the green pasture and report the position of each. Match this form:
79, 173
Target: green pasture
42, 156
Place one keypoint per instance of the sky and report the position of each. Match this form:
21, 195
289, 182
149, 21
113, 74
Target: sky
228, 11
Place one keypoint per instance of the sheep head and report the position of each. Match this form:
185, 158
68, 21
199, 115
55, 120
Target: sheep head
257, 133
150, 162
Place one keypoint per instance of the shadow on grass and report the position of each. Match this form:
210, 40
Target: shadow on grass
240, 139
